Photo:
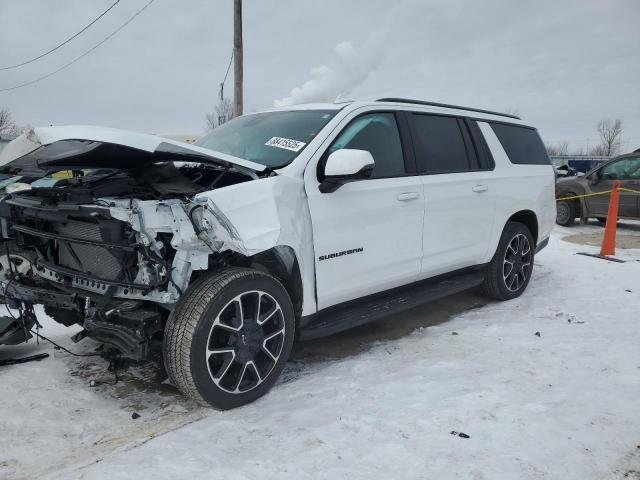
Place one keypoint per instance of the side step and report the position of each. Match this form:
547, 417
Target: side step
375, 307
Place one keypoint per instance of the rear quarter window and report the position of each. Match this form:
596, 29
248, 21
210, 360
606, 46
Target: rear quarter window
522, 144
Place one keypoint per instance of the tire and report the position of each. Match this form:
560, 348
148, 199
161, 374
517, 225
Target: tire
566, 212
249, 349
516, 247
602, 220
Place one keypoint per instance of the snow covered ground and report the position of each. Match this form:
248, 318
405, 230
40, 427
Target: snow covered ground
546, 386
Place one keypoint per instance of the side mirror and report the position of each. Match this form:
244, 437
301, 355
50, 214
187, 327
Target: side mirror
345, 166
594, 178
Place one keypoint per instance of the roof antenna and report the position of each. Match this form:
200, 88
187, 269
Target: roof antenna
340, 98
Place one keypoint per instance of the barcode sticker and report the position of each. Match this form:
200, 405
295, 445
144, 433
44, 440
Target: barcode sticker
286, 143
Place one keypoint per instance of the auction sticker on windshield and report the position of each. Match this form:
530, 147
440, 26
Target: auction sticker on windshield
286, 143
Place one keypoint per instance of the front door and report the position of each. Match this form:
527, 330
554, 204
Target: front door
367, 234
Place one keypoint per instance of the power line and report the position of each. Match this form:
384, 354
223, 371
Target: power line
81, 56
26, 62
228, 67
225, 77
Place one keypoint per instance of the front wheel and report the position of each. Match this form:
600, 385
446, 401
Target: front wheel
566, 212
509, 271
229, 337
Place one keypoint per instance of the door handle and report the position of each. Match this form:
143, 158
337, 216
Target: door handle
405, 197
480, 188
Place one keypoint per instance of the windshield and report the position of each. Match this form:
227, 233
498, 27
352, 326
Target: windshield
273, 139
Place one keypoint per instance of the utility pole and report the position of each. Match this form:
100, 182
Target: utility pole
237, 57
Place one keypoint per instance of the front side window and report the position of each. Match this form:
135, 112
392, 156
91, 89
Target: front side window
378, 134
272, 139
625, 169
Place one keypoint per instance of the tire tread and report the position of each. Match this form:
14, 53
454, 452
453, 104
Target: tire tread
183, 321
491, 285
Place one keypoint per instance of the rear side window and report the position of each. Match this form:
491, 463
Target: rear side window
523, 145
439, 144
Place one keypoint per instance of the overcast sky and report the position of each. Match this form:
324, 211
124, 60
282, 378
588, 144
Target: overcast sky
562, 65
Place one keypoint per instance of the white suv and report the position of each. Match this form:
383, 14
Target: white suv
288, 224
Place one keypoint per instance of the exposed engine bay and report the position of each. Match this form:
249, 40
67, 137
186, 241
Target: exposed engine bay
112, 248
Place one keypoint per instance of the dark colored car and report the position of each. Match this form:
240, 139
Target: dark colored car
625, 168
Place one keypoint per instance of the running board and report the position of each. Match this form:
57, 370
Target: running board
375, 307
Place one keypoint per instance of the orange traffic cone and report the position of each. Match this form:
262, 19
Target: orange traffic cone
609, 240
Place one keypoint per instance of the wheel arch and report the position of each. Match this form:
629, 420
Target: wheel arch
572, 188
529, 219
281, 262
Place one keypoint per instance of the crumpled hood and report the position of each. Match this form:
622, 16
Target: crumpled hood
45, 148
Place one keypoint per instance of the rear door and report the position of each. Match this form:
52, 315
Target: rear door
627, 171
458, 186
368, 233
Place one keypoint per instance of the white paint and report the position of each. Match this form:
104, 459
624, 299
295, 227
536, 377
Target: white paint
347, 162
363, 214
366, 214
408, 227
519, 187
267, 213
141, 141
18, 147
458, 222
445, 226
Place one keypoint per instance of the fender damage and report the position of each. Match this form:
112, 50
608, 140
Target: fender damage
114, 248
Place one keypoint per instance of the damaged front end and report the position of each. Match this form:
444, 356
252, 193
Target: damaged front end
112, 248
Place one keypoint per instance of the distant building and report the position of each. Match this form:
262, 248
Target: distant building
581, 163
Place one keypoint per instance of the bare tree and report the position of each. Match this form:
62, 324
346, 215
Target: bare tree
222, 113
598, 151
610, 137
558, 150
7, 124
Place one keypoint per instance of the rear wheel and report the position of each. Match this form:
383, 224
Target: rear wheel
229, 337
602, 220
509, 271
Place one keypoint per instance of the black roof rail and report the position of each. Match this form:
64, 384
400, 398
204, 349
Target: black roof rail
434, 104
